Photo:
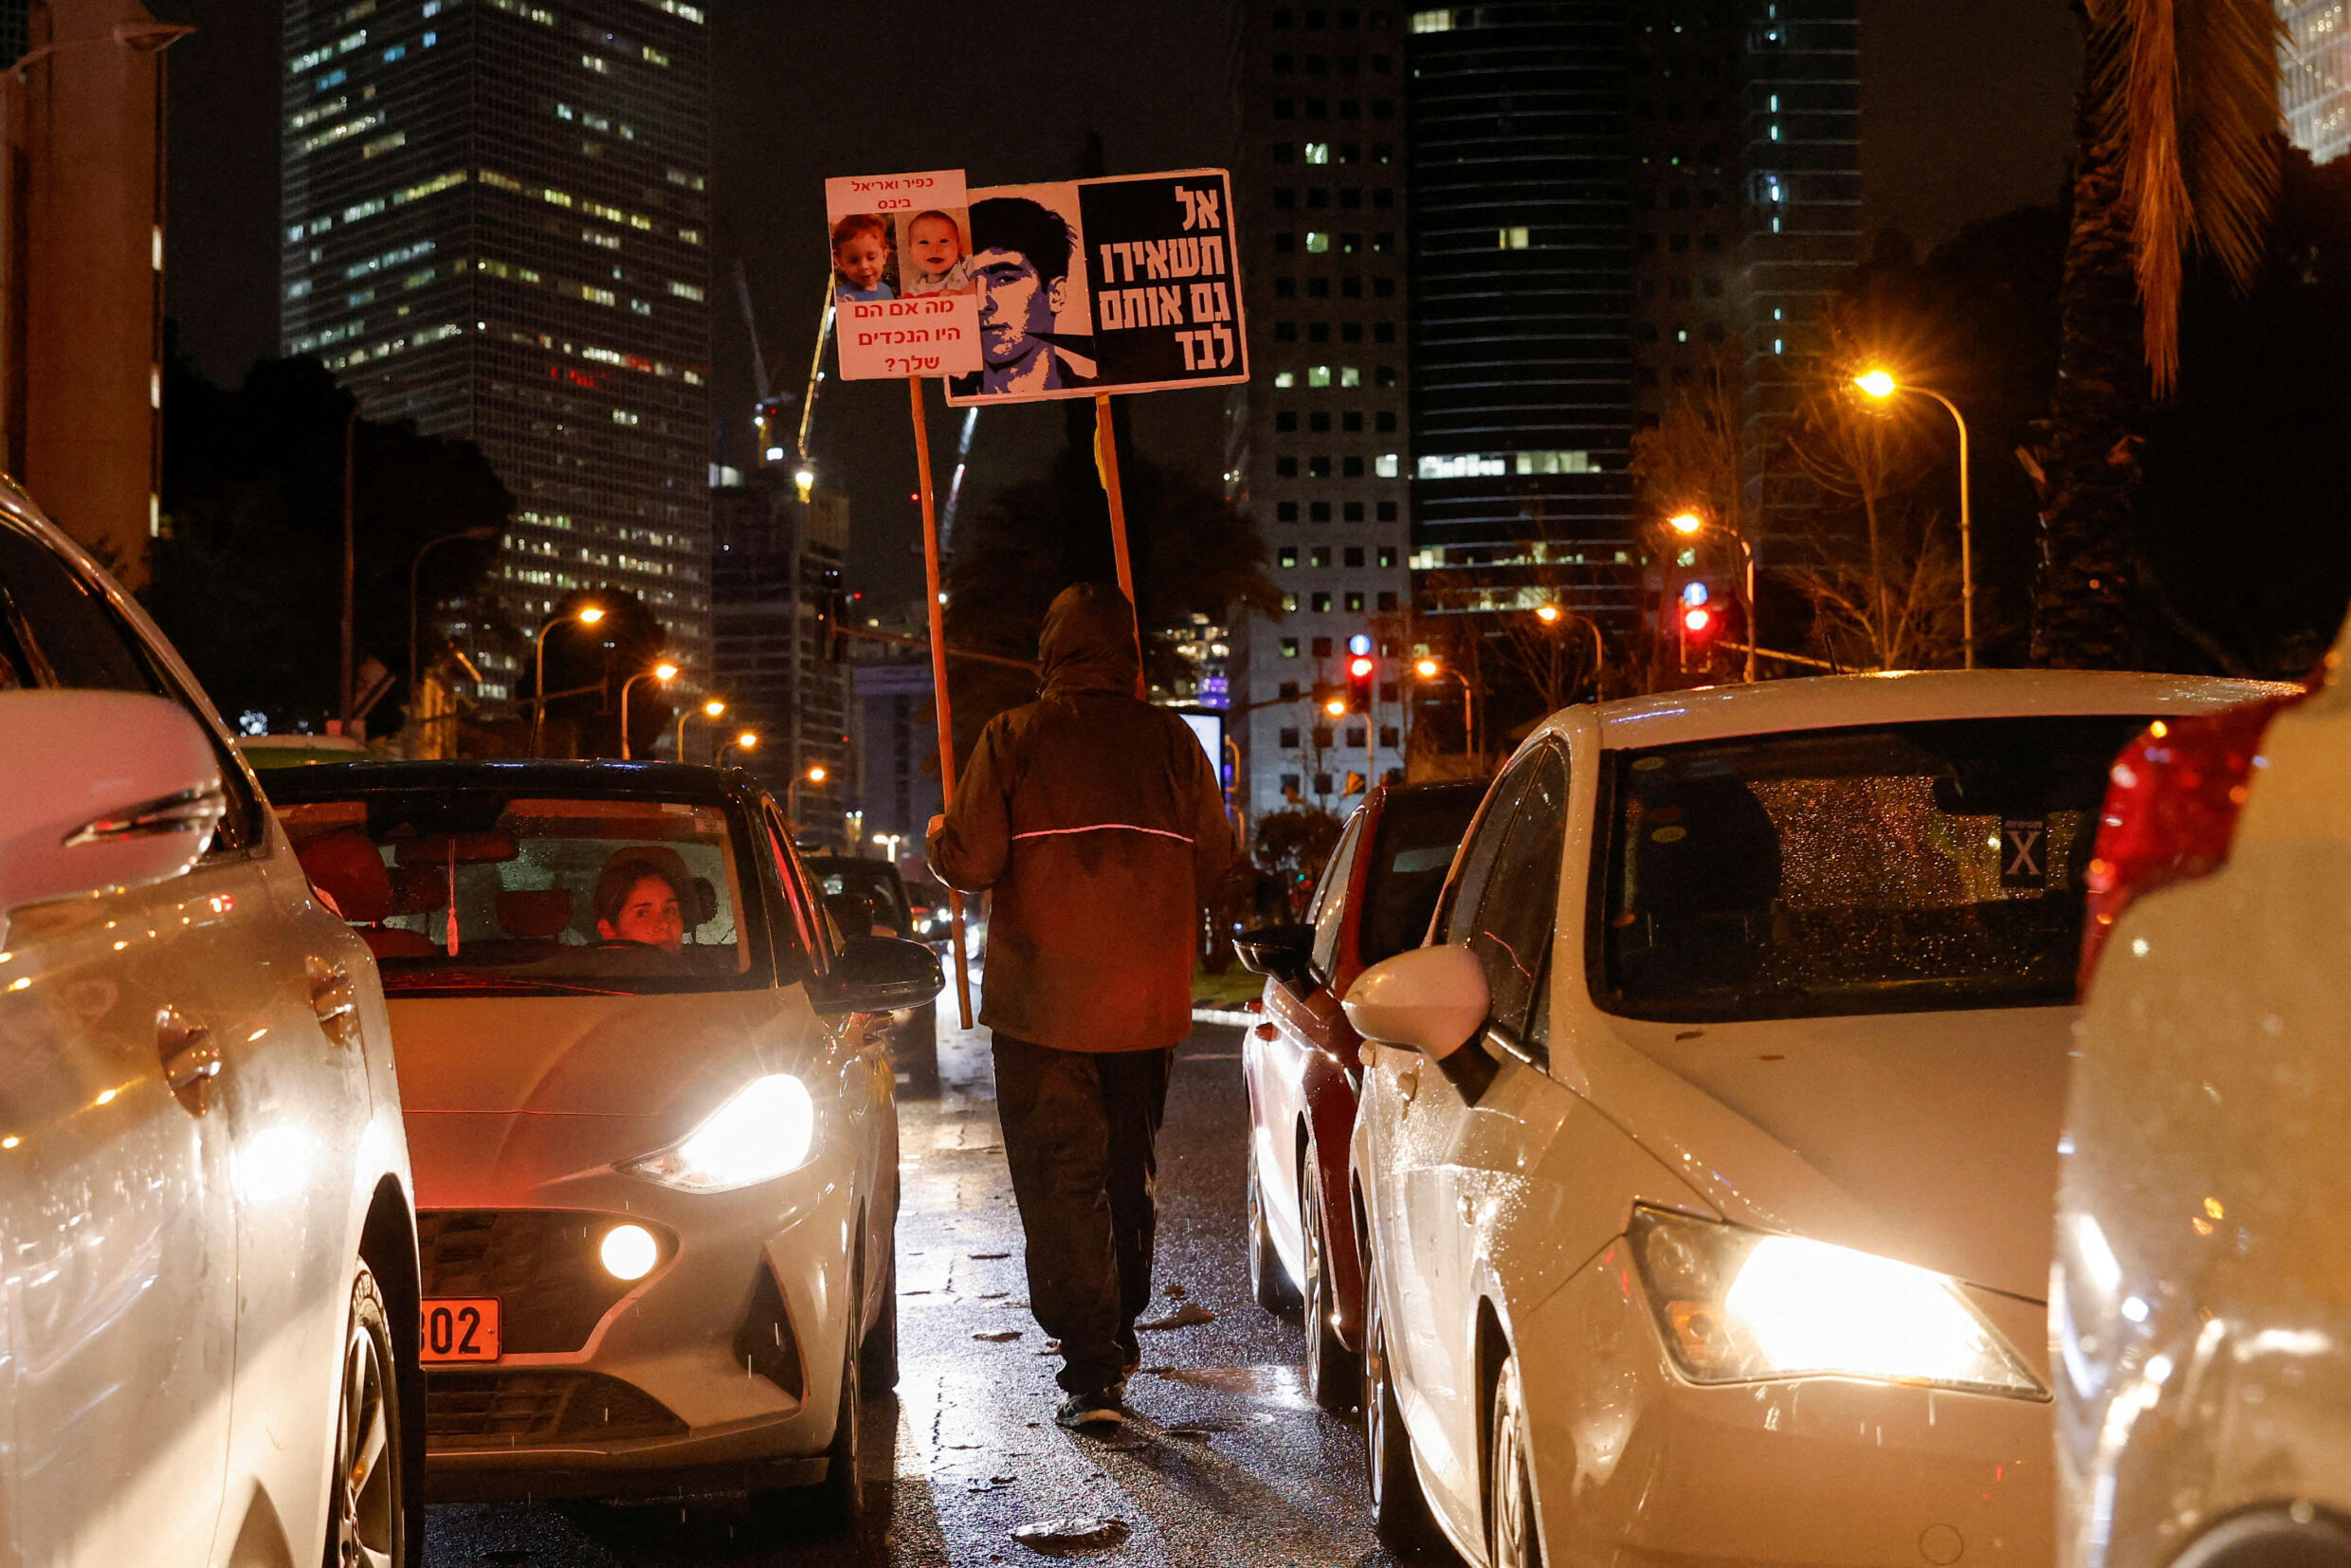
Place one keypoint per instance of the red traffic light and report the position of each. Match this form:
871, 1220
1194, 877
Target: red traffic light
1359, 668
1697, 620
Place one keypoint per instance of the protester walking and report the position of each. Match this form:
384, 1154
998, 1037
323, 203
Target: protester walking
1096, 821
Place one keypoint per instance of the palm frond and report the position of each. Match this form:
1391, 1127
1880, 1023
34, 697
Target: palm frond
2190, 88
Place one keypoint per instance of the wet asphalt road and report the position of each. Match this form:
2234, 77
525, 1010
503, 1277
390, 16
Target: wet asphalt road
1229, 1465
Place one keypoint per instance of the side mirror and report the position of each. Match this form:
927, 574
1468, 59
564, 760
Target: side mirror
880, 975
1279, 951
103, 789
1433, 999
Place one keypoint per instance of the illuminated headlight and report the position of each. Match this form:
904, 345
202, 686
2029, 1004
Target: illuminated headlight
764, 1130
1737, 1305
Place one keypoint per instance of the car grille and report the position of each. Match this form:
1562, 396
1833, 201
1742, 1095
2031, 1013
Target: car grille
504, 1409
540, 1264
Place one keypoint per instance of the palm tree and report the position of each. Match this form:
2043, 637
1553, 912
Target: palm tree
2177, 121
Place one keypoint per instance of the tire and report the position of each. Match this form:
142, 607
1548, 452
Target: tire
1334, 1373
880, 1351
368, 1522
840, 1498
1401, 1516
1269, 1282
1512, 1538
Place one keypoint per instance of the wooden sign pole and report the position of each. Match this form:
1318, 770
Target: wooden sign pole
1106, 463
938, 676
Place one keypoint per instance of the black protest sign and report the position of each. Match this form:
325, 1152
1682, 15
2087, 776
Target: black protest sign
1149, 299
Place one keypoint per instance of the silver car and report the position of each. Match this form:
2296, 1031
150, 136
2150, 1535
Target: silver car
208, 1291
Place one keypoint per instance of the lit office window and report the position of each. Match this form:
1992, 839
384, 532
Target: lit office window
1318, 152
1317, 376
1513, 239
1317, 244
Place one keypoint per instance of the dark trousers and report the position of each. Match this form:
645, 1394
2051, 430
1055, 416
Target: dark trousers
1078, 1133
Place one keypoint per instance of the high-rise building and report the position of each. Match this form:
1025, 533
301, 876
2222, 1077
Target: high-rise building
495, 225
1318, 440
774, 569
2314, 75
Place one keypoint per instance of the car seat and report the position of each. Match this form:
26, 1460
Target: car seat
346, 867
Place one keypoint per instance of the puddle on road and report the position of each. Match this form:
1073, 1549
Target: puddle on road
1284, 1386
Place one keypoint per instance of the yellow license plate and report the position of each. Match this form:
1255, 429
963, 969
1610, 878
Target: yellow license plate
461, 1329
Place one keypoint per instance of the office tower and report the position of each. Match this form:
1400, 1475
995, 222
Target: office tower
2314, 76
775, 570
495, 225
1317, 438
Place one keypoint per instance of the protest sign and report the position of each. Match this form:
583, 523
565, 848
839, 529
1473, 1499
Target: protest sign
902, 285
1107, 285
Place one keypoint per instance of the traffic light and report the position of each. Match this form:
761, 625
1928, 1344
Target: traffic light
1700, 624
1362, 676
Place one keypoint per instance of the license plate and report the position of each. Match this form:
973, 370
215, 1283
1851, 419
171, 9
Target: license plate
461, 1329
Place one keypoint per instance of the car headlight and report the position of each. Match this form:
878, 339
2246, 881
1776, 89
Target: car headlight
766, 1129
1738, 1305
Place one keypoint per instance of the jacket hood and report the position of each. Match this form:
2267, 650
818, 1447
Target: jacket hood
1088, 641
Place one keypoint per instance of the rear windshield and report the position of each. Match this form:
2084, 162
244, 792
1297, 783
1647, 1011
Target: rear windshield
1909, 868
473, 890
1419, 829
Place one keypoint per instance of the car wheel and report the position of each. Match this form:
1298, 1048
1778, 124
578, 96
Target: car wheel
1269, 1282
1334, 1374
840, 1499
367, 1496
1400, 1514
1513, 1540
880, 1352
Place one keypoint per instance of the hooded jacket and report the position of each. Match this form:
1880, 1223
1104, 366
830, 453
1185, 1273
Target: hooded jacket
1096, 820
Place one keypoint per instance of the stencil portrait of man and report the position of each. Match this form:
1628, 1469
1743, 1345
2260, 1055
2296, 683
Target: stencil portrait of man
1022, 251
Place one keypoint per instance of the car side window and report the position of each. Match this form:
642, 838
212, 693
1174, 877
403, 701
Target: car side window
62, 626
799, 940
1511, 931
1475, 864
1330, 900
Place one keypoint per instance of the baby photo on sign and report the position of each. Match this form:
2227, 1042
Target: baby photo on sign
865, 260
1027, 261
936, 246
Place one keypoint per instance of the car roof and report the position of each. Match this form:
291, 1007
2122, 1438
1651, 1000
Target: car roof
1830, 702
544, 776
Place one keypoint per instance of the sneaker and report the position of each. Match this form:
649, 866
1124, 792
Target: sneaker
1108, 1408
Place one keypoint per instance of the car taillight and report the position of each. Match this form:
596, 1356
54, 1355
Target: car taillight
2172, 802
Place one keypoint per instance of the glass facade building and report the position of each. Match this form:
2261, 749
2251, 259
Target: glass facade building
495, 223
2314, 75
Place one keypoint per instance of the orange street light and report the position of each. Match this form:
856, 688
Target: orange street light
1335, 706
586, 614
1880, 384
745, 741
1428, 670
1685, 523
712, 707
817, 773
664, 672
1547, 614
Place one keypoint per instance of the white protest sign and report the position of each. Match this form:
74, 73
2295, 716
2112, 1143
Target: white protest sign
902, 286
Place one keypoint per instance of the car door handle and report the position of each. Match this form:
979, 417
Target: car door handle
332, 998
1407, 1084
191, 1059
1268, 1033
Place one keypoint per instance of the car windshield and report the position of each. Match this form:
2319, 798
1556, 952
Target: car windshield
1419, 829
461, 889
1888, 869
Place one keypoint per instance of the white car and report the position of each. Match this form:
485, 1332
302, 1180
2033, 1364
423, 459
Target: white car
649, 1096
1708, 1158
207, 1298
2201, 1301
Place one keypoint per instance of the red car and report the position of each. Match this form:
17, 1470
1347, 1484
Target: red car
1374, 899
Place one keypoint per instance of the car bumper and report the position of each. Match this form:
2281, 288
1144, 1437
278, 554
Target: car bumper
726, 1359
1634, 1465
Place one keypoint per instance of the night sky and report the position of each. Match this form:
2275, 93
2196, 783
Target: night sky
1966, 107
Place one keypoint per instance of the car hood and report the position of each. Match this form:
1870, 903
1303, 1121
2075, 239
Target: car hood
670, 1059
1931, 1138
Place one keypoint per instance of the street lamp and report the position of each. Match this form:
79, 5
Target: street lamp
1430, 669
664, 672
1880, 384
1551, 614
586, 614
712, 707
816, 773
1689, 525
429, 546
889, 842
746, 741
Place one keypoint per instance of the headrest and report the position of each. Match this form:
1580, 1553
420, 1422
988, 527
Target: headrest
472, 849
534, 912
345, 866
